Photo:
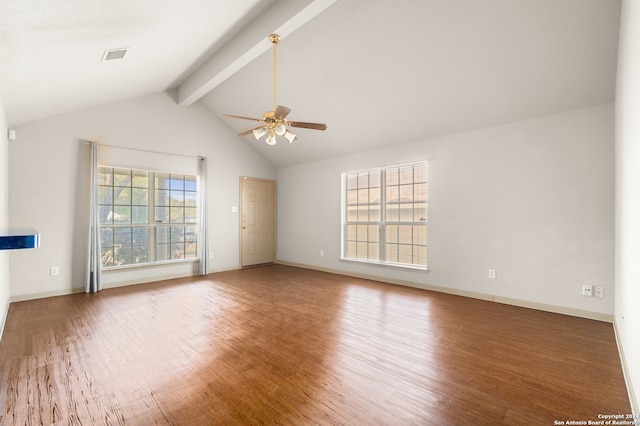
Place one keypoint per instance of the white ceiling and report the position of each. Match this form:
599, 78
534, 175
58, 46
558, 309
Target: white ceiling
376, 72
51, 51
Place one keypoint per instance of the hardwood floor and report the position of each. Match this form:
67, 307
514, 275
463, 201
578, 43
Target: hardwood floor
281, 345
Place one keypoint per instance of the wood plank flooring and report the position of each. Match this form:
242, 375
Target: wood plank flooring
282, 345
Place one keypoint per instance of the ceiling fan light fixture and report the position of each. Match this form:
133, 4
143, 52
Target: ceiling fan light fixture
271, 139
280, 129
274, 123
289, 136
259, 132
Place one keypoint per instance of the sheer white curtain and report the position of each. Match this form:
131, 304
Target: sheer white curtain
203, 255
92, 279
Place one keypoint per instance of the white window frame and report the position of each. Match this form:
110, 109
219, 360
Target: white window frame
384, 223
151, 224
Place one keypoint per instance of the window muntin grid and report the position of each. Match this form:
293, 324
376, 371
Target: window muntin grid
385, 215
146, 217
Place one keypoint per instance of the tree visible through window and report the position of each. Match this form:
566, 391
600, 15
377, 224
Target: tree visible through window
146, 216
385, 215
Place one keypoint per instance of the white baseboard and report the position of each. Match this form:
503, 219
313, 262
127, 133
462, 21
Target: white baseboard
144, 280
474, 295
105, 286
3, 318
215, 271
598, 316
33, 296
161, 278
65, 292
625, 370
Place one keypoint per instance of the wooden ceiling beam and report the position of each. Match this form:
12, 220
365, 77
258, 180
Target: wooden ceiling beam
283, 18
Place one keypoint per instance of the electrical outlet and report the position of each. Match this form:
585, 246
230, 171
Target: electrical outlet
321, 253
492, 274
600, 292
210, 255
587, 290
55, 270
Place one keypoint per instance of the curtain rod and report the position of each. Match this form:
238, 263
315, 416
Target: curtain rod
198, 157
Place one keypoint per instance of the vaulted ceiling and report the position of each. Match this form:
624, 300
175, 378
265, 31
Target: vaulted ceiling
376, 72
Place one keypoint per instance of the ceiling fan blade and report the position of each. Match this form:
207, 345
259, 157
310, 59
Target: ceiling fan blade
248, 132
281, 112
241, 117
315, 126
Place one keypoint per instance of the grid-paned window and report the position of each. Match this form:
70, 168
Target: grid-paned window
385, 215
146, 217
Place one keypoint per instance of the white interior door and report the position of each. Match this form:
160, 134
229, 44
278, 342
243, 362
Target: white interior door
257, 221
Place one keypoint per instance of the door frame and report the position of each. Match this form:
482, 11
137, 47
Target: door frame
275, 217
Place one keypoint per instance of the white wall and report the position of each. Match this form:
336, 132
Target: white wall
48, 174
534, 200
627, 312
4, 217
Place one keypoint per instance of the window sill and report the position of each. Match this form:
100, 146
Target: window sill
378, 263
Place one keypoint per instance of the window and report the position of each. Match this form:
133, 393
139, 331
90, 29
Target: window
385, 215
146, 217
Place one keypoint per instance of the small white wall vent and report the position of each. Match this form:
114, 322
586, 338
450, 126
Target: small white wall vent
114, 54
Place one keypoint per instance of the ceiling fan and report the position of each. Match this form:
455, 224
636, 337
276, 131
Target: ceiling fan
275, 122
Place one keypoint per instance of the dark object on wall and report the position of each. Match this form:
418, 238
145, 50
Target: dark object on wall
14, 239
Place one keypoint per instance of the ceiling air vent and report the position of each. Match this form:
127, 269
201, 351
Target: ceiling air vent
114, 54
